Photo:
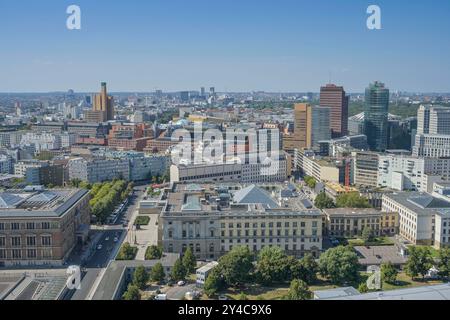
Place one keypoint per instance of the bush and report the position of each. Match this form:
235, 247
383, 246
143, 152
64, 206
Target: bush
153, 253
142, 221
127, 252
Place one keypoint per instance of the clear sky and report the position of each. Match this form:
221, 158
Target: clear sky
234, 45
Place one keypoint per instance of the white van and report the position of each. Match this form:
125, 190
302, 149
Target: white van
161, 297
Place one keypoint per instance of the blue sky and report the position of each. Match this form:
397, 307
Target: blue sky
234, 45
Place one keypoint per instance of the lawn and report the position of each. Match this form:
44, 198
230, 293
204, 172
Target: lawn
382, 241
404, 282
142, 221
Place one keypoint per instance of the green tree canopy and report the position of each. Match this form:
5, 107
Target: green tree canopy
132, 293
352, 200
272, 265
340, 265
214, 282
388, 273
322, 201
140, 277
299, 290
178, 271
444, 263
189, 261
157, 273
367, 235
153, 253
305, 269
419, 262
236, 266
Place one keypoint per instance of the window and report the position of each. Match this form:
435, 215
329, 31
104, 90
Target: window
30, 225
2, 226
45, 225
31, 253
17, 254
31, 241
16, 241
2, 254
15, 226
2, 241
170, 234
46, 241
47, 253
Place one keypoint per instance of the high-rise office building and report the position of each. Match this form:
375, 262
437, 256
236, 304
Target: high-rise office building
433, 120
433, 132
104, 104
335, 98
311, 125
184, 96
202, 92
376, 116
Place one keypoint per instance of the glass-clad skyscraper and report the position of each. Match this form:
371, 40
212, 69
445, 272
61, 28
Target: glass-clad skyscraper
376, 116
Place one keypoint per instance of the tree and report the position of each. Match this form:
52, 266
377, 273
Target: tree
214, 282
299, 291
132, 293
419, 262
305, 269
153, 253
178, 271
157, 273
352, 200
140, 277
310, 182
323, 201
236, 266
367, 235
444, 263
271, 265
189, 261
389, 273
340, 265
127, 252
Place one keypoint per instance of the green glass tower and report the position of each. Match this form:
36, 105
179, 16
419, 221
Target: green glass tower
376, 116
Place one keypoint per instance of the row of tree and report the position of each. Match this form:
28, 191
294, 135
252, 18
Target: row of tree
272, 265
106, 196
348, 200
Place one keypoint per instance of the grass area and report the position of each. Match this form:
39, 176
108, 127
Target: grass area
382, 241
404, 282
142, 221
256, 292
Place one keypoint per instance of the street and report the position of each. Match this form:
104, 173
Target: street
105, 248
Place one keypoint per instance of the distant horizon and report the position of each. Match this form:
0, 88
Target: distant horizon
245, 46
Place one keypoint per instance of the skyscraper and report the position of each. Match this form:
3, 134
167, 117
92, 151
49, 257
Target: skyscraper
104, 104
335, 98
376, 116
311, 125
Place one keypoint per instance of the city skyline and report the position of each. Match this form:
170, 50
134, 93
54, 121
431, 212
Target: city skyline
237, 47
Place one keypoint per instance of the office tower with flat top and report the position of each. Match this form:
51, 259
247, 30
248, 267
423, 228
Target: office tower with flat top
335, 98
376, 116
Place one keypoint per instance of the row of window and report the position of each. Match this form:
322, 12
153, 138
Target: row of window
27, 226
30, 241
17, 254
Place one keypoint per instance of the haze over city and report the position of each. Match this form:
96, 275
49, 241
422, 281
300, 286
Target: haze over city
282, 46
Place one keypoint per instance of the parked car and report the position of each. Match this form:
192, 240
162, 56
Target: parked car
99, 247
181, 283
161, 297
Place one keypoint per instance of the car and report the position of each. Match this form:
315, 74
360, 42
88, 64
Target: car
99, 247
107, 239
181, 283
116, 239
222, 298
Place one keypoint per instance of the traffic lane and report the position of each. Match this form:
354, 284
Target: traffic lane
101, 257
